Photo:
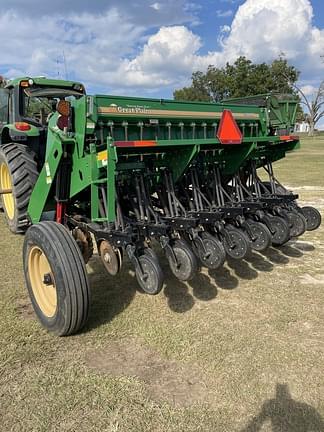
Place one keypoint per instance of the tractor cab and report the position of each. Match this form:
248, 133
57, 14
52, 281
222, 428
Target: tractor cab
26, 105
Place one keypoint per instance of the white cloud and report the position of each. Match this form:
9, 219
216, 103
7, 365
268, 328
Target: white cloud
225, 29
156, 6
167, 57
139, 11
224, 14
117, 50
260, 30
309, 90
37, 46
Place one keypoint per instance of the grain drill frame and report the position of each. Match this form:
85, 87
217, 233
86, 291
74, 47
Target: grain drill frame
132, 173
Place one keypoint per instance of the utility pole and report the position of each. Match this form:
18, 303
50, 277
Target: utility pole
65, 66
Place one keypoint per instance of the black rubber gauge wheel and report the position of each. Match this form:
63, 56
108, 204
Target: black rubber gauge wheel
182, 262
213, 254
149, 275
313, 218
280, 231
239, 246
297, 223
261, 236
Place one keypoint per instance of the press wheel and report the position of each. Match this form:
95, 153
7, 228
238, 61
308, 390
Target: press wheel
149, 274
182, 261
297, 223
151, 253
213, 254
279, 228
261, 236
313, 217
239, 245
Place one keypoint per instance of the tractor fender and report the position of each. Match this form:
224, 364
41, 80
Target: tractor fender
10, 133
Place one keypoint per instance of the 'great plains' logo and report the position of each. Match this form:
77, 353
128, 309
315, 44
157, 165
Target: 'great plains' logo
131, 109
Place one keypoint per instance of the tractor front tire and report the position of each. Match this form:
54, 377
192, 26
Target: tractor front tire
18, 174
56, 278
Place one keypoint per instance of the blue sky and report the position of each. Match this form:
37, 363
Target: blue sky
151, 47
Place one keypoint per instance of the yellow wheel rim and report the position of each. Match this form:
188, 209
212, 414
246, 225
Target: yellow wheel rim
42, 281
6, 183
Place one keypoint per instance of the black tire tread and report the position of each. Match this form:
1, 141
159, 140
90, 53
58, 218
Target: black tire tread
182, 244
266, 231
309, 226
157, 268
245, 238
23, 169
220, 246
73, 270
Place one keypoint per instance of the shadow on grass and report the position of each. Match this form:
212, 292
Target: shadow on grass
242, 269
304, 247
178, 296
274, 256
259, 262
109, 295
202, 288
180, 299
286, 415
290, 251
224, 279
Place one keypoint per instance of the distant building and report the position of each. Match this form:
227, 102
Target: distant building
302, 127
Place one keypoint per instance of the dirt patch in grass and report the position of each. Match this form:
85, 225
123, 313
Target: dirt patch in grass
237, 349
181, 385
305, 188
308, 279
25, 309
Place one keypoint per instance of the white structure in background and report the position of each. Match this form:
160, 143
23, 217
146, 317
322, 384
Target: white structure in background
302, 127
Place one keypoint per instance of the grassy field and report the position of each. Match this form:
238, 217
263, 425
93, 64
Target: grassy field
240, 349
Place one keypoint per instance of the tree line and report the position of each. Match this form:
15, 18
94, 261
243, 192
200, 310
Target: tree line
3, 81
245, 78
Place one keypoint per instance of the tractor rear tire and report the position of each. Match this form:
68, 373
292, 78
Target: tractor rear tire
56, 278
18, 172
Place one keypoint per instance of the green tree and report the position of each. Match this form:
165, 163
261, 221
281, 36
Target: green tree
242, 78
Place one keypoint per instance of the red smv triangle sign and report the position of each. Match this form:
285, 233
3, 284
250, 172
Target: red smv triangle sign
228, 131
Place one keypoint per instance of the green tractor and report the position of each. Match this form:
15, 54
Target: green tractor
26, 105
129, 175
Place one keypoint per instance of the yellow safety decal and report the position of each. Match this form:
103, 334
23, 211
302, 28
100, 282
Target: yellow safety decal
103, 155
